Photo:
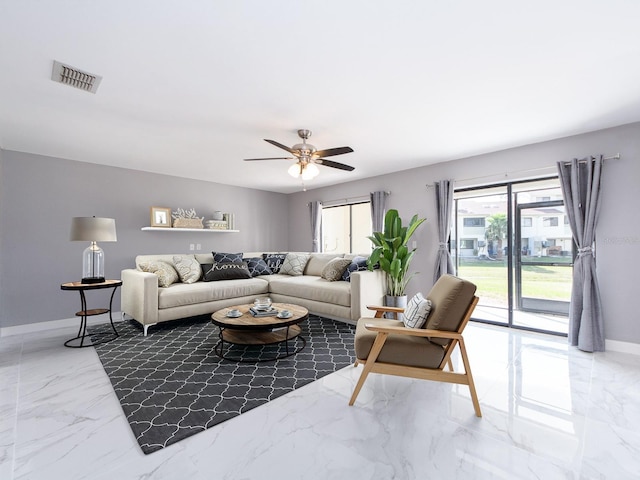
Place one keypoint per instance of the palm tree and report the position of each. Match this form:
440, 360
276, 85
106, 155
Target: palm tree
496, 230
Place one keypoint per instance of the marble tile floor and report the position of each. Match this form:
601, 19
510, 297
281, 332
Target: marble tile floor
550, 412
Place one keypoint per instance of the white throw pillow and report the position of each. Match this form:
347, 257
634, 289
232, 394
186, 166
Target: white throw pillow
417, 311
294, 264
187, 267
167, 275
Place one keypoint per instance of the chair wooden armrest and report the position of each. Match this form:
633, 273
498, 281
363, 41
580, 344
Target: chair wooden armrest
381, 310
415, 332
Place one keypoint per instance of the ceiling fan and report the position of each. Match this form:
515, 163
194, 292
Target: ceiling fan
307, 157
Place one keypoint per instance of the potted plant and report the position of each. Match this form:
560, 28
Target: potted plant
393, 255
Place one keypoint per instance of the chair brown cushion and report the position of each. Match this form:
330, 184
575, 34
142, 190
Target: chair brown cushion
450, 297
398, 349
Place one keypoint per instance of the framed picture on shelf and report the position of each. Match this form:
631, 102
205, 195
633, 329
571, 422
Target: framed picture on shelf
160, 217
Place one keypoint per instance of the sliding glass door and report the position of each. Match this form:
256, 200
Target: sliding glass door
514, 242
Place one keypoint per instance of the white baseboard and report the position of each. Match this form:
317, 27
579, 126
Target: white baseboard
55, 324
622, 347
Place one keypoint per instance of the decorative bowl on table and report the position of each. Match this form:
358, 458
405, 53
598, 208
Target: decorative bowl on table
262, 303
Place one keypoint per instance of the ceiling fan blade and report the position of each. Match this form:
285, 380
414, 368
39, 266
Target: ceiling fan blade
269, 158
330, 152
279, 145
331, 163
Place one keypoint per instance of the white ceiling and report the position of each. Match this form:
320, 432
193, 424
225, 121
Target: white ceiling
190, 88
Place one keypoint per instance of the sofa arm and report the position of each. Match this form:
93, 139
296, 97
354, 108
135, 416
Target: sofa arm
367, 288
139, 296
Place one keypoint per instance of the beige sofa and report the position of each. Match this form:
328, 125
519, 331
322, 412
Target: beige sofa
149, 304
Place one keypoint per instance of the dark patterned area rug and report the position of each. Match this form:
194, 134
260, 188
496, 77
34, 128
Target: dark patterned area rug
172, 385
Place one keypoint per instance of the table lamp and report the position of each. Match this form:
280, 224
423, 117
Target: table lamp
92, 229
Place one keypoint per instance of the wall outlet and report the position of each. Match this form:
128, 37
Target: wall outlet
198, 247
414, 244
191, 246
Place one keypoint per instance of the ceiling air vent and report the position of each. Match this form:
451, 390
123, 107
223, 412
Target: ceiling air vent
75, 78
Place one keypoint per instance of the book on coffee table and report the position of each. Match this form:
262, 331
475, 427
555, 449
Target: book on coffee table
263, 313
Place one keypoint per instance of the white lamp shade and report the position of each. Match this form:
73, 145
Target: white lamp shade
294, 170
93, 229
310, 171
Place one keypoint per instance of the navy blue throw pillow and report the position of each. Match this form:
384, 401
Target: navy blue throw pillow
358, 264
257, 266
227, 257
274, 260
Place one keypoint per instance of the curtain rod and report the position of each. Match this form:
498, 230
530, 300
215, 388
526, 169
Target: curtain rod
617, 156
586, 159
363, 198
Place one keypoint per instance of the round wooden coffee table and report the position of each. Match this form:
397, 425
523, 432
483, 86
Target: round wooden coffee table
250, 330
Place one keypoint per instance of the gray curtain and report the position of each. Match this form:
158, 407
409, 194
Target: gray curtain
315, 209
378, 207
444, 204
580, 183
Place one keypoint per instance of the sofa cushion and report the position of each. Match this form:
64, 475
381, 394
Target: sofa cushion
180, 294
334, 269
311, 287
294, 264
398, 349
187, 267
257, 266
317, 261
358, 264
167, 275
450, 297
274, 260
226, 257
224, 271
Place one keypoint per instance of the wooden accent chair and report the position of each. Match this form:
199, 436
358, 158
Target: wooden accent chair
386, 346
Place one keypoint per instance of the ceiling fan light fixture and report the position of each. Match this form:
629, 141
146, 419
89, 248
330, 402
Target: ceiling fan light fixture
294, 170
309, 171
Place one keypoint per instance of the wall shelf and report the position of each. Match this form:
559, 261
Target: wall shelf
165, 229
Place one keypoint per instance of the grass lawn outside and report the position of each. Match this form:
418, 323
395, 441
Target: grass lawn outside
549, 282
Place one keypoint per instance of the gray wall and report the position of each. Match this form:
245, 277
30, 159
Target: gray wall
618, 231
39, 195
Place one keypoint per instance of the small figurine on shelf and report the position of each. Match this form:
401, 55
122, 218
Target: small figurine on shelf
186, 219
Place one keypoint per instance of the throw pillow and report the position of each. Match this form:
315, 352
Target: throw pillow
294, 264
220, 257
333, 270
187, 267
257, 266
417, 311
165, 272
358, 264
224, 271
274, 260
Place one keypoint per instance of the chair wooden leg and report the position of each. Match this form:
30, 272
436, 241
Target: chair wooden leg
449, 364
472, 387
371, 359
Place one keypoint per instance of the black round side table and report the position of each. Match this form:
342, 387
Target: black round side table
84, 312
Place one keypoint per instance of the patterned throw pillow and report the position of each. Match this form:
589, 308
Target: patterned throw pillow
274, 260
224, 271
294, 264
333, 270
358, 264
257, 266
417, 311
165, 272
187, 267
219, 257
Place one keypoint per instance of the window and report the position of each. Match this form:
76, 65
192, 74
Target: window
467, 243
527, 221
345, 228
550, 221
473, 222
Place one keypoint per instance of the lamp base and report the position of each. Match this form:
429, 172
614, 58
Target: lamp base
92, 280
